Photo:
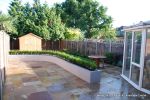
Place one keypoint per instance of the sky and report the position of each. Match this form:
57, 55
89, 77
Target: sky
123, 12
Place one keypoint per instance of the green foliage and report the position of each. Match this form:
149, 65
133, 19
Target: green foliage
108, 33
75, 53
87, 15
6, 23
38, 19
73, 34
113, 58
79, 60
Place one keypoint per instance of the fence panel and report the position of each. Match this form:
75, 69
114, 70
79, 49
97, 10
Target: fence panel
89, 47
14, 44
86, 47
117, 47
50, 45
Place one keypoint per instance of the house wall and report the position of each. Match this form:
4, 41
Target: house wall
30, 42
4, 49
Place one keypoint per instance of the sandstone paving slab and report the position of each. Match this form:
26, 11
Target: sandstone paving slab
9, 88
32, 83
61, 96
26, 80
80, 91
40, 96
51, 71
42, 73
30, 79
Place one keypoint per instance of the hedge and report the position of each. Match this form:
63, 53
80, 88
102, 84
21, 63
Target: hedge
76, 59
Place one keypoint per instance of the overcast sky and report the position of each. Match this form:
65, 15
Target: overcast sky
123, 12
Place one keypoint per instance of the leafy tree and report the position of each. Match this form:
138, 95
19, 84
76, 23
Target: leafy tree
38, 19
73, 34
88, 15
106, 33
6, 24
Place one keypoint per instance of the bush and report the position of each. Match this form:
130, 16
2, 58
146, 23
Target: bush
114, 59
76, 59
75, 53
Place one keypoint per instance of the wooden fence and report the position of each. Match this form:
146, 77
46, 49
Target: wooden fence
86, 47
14, 44
46, 44
51, 45
90, 47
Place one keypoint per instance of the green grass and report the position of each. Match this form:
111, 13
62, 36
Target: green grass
76, 59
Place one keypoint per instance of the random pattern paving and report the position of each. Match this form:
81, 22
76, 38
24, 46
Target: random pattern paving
30, 80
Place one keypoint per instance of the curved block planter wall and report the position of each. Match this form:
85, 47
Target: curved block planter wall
84, 74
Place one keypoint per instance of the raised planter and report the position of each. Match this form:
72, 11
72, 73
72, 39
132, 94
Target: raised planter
84, 74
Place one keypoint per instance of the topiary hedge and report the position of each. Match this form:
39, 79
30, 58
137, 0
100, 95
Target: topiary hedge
76, 59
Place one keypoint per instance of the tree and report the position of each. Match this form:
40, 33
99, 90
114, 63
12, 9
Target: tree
106, 33
38, 19
6, 24
88, 15
73, 34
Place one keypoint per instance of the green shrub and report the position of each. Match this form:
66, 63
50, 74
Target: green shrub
75, 53
76, 59
113, 58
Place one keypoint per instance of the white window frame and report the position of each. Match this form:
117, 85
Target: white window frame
142, 57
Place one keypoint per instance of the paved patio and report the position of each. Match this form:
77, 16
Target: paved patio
32, 80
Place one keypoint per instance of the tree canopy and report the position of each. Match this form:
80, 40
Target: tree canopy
6, 24
73, 34
38, 19
87, 15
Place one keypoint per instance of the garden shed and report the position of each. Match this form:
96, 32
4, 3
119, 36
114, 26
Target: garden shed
30, 42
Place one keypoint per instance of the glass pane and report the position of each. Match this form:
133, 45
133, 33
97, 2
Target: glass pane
135, 74
146, 72
137, 47
127, 56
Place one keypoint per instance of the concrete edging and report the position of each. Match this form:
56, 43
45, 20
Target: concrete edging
84, 74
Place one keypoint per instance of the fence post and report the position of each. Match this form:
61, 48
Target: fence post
66, 44
85, 46
71, 45
110, 45
96, 48
77, 46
